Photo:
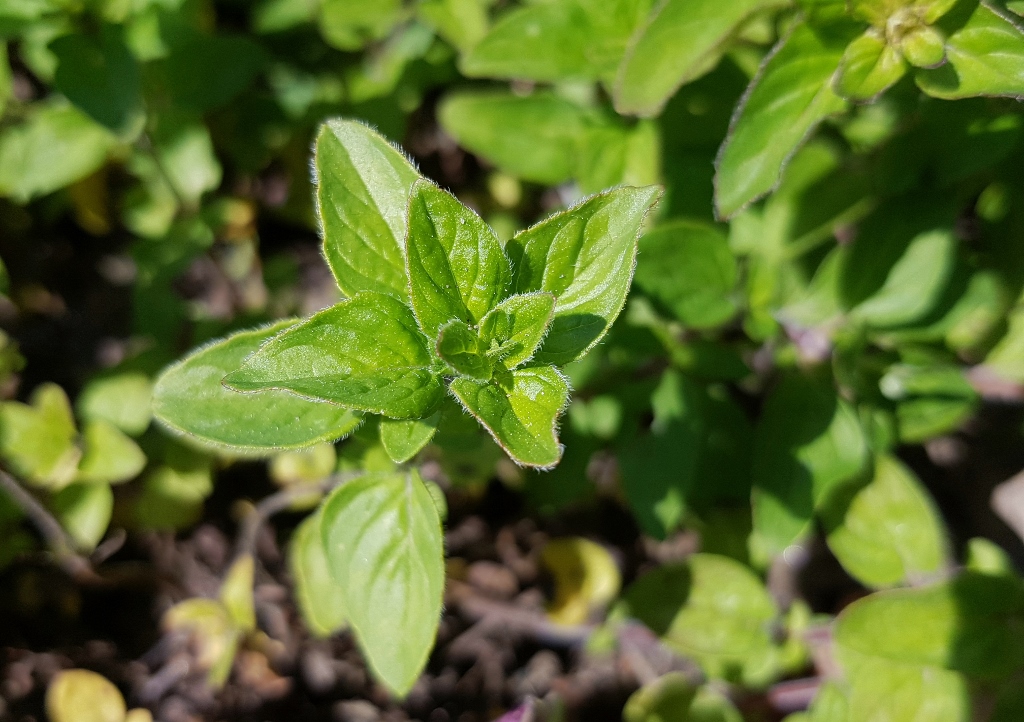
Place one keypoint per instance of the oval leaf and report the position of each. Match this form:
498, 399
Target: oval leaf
522, 418
787, 99
365, 353
321, 600
189, 398
382, 535
362, 193
584, 256
78, 695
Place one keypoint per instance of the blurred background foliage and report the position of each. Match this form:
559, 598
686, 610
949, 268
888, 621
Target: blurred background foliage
777, 380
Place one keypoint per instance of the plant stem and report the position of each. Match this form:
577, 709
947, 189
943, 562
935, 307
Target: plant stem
58, 540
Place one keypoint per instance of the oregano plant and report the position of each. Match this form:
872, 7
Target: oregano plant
440, 318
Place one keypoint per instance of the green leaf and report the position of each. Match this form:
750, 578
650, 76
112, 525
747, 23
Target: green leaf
84, 510
914, 284
202, 71
173, 493
461, 22
908, 653
351, 24
869, 67
404, 438
456, 267
984, 53
78, 695
688, 267
101, 76
548, 139
304, 466
189, 399
460, 347
887, 531
321, 600
124, 400
680, 41
513, 331
666, 699
6, 78
790, 95
807, 442
185, 152
566, 39
37, 439
55, 146
712, 609
521, 417
365, 353
108, 455
362, 193
382, 535
585, 257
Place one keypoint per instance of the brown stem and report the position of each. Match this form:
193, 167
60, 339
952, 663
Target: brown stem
58, 540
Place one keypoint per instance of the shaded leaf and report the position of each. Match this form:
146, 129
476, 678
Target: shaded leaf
404, 438
869, 67
84, 511
37, 439
124, 400
320, 599
460, 347
586, 578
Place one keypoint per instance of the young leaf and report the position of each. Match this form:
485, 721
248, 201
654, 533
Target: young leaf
456, 267
108, 455
523, 417
688, 267
585, 257
565, 39
459, 346
365, 353
790, 95
84, 511
807, 442
924, 47
404, 438
382, 535
514, 329
869, 67
189, 398
100, 76
586, 578
679, 41
321, 600
985, 56
362, 196
37, 439
888, 531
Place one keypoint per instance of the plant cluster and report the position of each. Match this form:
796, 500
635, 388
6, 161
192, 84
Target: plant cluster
831, 278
